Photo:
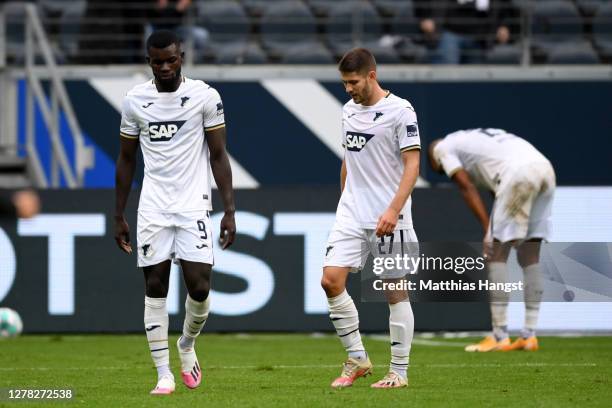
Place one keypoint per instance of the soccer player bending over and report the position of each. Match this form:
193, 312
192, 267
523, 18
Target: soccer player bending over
523, 182
381, 165
179, 124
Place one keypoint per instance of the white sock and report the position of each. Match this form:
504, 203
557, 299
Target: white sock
343, 314
196, 314
533, 297
499, 300
156, 327
401, 331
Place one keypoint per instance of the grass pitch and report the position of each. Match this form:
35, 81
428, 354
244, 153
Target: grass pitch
296, 370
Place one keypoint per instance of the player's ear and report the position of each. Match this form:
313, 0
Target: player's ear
182, 55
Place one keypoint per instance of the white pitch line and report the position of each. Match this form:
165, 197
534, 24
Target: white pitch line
312, 366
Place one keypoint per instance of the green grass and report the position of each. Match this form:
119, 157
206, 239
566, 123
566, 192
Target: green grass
295, 370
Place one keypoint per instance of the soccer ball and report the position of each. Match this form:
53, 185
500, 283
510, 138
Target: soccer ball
10, 323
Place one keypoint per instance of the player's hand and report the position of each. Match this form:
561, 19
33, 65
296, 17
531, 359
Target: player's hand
27, 203
228, 230
387, 222
122, 234
487, 246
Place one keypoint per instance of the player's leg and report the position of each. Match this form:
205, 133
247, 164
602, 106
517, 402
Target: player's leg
528, 254
194, 249
344, 253
156, 323
401, 319
155, 242
197, 306
401, 332
344, 317
539, 209
503, 231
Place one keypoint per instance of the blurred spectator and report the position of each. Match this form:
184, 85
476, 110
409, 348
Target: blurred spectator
173, 15
22, 204
112, 32
459, 31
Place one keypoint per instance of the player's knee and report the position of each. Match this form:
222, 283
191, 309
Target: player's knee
528, 253
200, 291
155, 288
331, 286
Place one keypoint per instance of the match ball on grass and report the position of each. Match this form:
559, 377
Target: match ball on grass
10, 323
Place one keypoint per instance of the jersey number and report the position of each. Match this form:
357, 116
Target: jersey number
202, 229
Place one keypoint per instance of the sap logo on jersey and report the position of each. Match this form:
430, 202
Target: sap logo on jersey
356, 141
164, 131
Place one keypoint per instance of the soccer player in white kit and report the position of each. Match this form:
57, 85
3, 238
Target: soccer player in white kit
523, 182
379, 170
180, 127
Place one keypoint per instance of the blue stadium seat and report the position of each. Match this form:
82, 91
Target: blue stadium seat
589, 7
602, 32
555, 22
256, 8
353, 23
390, 8
288, 26
230, 32
502, 54
573, 53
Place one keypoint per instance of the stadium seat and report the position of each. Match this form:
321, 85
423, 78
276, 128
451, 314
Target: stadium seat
356, 23
554, 22
230, 30
573, 53
320, 8
308, 54
64, 17
405, 25
256, 8
589, 7
390, 8
287, 25
505, 54
602, 32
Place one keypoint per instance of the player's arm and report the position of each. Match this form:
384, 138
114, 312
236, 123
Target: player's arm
124, 174
471, 197
388, 221
222, 172
342, 175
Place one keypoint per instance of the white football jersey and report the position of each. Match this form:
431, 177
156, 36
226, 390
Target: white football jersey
170, 127
486, 154
373, 139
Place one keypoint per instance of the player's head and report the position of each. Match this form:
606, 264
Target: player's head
358, 72
434, 161
164, 56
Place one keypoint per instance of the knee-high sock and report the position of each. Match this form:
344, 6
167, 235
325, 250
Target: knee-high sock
533, 297
156, 327
196, 314
401, 331
499, 300
343, 314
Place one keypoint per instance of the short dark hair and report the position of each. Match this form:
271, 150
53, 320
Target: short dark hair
358, 60
162, 39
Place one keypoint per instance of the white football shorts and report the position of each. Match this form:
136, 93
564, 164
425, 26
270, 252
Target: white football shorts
523, 204
163, 236
350, 246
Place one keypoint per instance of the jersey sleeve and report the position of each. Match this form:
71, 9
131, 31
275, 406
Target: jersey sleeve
408, 130
129, 125
448, 159
214, 118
